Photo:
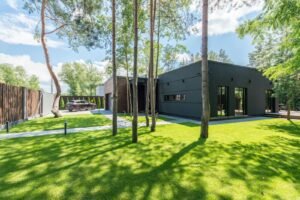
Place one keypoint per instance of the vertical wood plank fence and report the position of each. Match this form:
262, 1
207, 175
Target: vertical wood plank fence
19, 103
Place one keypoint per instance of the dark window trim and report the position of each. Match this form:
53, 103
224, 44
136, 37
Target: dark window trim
244, 102
226, 103
175, 98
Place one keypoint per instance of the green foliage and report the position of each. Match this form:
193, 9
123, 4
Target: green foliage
82, 78
220, 57
251, 160
276, 33
103, 103
33, 82
287, 89
81, 22
17, 76
174, 20
61, 103
170, 56
280, 18
93, 100
98, 102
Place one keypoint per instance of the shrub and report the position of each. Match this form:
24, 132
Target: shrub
98, 102
61, 103
102, 103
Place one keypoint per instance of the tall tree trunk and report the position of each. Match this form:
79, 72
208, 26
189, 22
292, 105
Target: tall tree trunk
205, 87
158, 43
151, 67
158, 49
129, 104
147, 99
115, 92
135, 77
55, 105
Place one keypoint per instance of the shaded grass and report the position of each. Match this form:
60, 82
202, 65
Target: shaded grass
251, 160
50, 123
142, 119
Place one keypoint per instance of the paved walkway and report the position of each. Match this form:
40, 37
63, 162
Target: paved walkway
122, 123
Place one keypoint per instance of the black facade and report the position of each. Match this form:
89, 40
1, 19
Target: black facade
234, 91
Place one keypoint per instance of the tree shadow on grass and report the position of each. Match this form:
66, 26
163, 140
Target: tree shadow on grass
158, 167
289, 127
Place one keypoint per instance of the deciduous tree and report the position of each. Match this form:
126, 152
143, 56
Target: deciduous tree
17, 76
135, 75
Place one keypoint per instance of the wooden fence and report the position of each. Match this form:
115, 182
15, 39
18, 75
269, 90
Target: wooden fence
19, 103
99, 100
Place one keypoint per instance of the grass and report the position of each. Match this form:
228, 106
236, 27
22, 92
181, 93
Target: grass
249, 160
50, 123
142, 119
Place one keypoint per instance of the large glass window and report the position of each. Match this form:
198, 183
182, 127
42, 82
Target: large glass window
175, 97
270, 101
240, 101
222, 101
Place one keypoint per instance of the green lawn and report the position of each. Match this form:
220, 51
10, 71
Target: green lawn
250, 160
142, 119
50, 123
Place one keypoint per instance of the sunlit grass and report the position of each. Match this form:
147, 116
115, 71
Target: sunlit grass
142, 119
50, 123
249, 160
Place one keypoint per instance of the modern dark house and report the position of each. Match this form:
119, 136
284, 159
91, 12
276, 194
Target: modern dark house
234, 91
122, 93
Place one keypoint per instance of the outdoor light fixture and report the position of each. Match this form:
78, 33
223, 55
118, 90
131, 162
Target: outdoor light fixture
7, 127
231, 79
66, 127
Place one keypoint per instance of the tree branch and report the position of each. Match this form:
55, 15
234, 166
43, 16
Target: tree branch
55, 29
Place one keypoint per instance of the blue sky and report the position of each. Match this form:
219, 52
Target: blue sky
18, 46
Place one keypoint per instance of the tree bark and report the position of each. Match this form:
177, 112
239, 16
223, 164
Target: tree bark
157, 51
158, 44
115, 91
151, 67
129, 104
147, 99
135, 77
205, 86
55, 105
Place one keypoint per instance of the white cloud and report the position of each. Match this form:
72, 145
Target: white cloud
19, 29
12, 3
183, 57
222, 21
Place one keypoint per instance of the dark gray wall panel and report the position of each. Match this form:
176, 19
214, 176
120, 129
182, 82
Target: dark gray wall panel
187, 80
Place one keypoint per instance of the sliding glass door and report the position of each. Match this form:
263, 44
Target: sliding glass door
240, 101
222, 101
270, 101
